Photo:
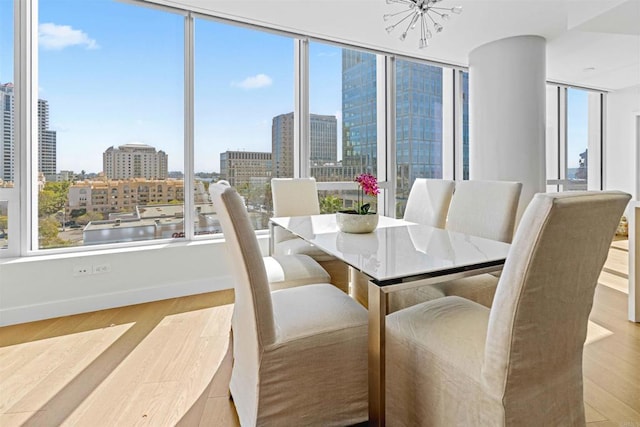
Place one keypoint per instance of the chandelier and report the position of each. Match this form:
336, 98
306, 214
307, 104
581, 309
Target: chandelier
420, 12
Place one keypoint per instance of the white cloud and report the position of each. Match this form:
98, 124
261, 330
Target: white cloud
57, 37
327, 54
254, 82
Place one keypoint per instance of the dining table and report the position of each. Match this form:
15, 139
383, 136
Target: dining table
397, 255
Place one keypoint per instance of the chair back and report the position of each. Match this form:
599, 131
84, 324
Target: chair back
538, 321
293, 197
428, 202
485, 208
253, 322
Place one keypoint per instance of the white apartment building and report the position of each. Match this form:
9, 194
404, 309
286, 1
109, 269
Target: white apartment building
135, 160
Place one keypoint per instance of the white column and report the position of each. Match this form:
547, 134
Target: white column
507, 100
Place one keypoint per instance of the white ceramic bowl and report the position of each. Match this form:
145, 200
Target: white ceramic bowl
356, 223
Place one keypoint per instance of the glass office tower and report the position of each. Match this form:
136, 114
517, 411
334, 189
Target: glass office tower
418, 120
359, 128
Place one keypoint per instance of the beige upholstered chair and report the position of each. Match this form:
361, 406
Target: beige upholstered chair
287, 271
481, 208
297, 197
451, 361
428, 201
300, 354
485, 208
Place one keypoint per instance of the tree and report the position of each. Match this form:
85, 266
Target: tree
52, 198
330, 204
48, 233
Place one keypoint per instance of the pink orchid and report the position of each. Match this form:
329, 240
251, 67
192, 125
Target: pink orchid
369, 186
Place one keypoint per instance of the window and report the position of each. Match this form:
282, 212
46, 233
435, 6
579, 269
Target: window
578, 134
7, 149
418, 126
110, 136
243, 114
343, 139
465, 125
574, 139
110, 115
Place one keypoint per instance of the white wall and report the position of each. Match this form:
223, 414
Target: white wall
621, 149
45, 286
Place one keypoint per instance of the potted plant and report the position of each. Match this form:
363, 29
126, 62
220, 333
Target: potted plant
361, 219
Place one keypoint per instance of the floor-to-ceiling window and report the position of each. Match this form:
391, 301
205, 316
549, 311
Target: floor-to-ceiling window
125, 117
465, 124
418, 106
7, 190
343, 139
244, 114
110, 123
574, 139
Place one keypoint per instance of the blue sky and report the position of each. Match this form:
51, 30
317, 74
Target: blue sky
577, 125
113, 74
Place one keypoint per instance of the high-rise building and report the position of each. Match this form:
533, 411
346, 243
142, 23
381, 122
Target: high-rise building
359, 110
323, 140
135, 160
47, 162
418, 124
46, 141
282, 145
6, 132
245, 167
418, 119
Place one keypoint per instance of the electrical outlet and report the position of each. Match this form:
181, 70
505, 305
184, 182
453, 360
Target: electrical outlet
82, 270
101, 268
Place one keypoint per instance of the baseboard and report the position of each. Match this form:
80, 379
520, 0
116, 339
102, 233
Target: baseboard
52, 309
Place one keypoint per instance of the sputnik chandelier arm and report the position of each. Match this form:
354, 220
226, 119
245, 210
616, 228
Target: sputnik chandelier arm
419, 10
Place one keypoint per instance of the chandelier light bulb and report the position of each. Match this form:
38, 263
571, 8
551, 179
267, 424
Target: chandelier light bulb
386, 17
414, 21
445, 17
457, 10
438, 27
423, 43
403, 36
390, 28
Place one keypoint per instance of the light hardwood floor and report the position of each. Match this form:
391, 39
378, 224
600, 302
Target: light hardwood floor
167, 363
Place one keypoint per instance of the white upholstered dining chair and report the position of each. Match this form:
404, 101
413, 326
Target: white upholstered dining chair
480, 208
428, 201
286, 271
485, 208
299, 197
451, 361
300, 354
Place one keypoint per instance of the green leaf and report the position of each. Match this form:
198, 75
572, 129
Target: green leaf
364, 209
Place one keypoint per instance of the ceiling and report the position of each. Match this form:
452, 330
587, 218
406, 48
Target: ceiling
593, 44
